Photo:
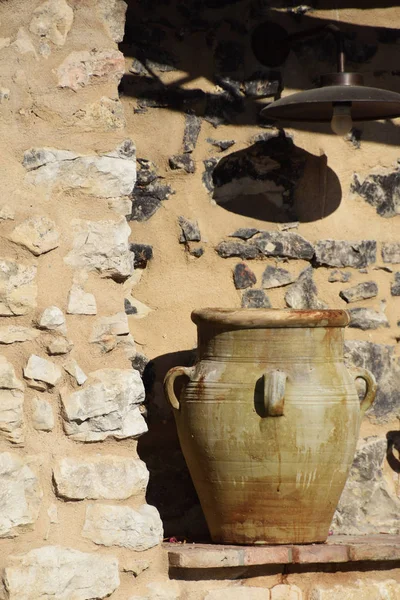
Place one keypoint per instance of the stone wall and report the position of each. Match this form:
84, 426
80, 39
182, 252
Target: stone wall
139, 182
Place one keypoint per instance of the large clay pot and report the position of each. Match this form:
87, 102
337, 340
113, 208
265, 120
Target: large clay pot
268, 422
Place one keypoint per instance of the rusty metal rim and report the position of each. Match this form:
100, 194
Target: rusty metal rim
256, 318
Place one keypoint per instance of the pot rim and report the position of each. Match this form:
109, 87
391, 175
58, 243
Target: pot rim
258, 318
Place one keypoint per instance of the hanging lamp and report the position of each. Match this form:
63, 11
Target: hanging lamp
342, 97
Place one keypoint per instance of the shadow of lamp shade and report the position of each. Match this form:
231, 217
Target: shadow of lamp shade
342, 97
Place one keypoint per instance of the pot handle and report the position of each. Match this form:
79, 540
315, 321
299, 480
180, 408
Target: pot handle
372, 387
169, 382
274, 393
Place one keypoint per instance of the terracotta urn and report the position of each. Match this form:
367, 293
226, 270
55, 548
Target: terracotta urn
268, 421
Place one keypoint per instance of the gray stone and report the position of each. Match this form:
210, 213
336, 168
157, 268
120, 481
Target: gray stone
102, 246
81, 302
73, 369
244, 233
42, 370
255, 299
336, 276
391, 252
142, 253
380, 359
113, 14
244, 250
190, 231
222, 145
146, 172
395, 287
20, 497
60, 574
107, 406
380, 190
243, 277
368, 504
123, 526
106, 175
361, 291
108, 331
287, 226
191, 133
38, 234
42, 415
339, 253
367, 318
10, 334
207, 177
284, 244
100, 477
183, 162
85, 67
18, 290
262, 84
52, 319
197, 252
274, 277
52, 20
303, 294
148, 192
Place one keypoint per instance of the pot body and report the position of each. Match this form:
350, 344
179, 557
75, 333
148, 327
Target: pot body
268, 422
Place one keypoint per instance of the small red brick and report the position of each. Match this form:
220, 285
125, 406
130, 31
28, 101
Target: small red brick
320, 553
267, 555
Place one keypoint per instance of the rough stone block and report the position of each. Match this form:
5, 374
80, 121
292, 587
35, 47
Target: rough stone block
391, 252
361, 590
42, 415
339, 253
274, 277
38, 234
86, 67
366, 318
18, 290
303, 294
11, 334
285, 244
40, 369
362, 291
286, 592
52, 20
243, 276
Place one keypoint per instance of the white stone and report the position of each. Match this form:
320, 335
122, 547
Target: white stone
102, 246
52, 20
60, 574
12, 416
7, 213
242, 592
362, 590
53, 319
104, 176
17, 288
11, 334
131, 565
113, 13
160, 590
87, 67
20, 496
81, 302
105, 477
41, 369
52, 513
75, 371
42, 415
108, 331
59, 345
8, 379
38, 234
110, 525
286, 592
121, 206
106, 407
23, 43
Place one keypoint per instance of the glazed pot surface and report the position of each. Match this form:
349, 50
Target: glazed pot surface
268, 422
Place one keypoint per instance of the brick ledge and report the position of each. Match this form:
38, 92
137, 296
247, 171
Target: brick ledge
337, 549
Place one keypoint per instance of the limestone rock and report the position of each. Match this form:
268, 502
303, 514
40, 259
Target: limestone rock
8, 379
338, 253
165, 590
274, 277
190, 231
23, 43
108, 406
7, 213
362, 291
182, 162
10, 334
102, 246
366, 318
113, 14
245, 251
75, 371
380, 190
286, 592
110, 525
61, 573
104, 477
42, 415
59, 345
255, 299
108, 331
38, 234
245, 233
105, 114
336, 276
81, 302
284, 244
191, 132
361, 590
90, 67
242, 592
243, 276
41, 369
17, 288
52, 20
104, 176
303, 294
381, 361
20, 497
135, 308
391, 252
12, 416
135, 566
52, 319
